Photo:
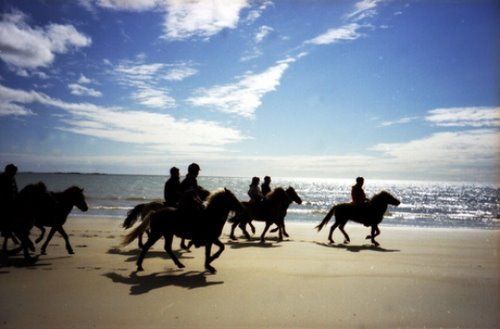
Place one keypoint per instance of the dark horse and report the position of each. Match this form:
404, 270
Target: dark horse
55, 211
204, 230
143, 209
272, 211
369, 214
25, 209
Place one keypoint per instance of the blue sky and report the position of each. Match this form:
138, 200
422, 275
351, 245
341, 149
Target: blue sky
382, 89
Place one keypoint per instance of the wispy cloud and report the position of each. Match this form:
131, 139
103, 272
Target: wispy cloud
465, 116
244, 96
84, 80
149, 80
262, 33
11, 109
399, 121
254, 14
25, 47
363, 9
161, 132
80, 90
335, 35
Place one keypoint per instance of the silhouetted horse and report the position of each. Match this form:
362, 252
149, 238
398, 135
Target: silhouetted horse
204, 229
55, 211
272, 211
369, 214
25, 209
142, 210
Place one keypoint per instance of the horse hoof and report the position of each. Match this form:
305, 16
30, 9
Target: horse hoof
31, 260
346, 241
210, 269
43, 252
376, 244
71, 252
140, 269
180, 265
262, 241
368, 237
332, 242
286, 234
233, 238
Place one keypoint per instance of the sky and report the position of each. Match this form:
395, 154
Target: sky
329, 89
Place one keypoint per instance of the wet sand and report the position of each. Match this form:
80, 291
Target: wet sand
417, 278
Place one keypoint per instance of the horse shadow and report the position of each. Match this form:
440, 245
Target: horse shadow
134, 254
353, 248
253, 243
141, 284
20, 262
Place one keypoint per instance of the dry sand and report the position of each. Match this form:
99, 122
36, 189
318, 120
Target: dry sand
419, 278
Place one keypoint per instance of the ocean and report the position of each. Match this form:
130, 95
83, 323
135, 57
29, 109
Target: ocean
424, 204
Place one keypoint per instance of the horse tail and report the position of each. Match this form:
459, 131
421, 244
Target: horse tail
326, 219
136, 232
133, 215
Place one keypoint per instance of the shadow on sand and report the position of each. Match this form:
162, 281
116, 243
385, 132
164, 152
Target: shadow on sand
352, 248
21, 262
134, 254
254, 243
141, 284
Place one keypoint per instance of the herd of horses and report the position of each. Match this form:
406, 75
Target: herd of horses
201, 225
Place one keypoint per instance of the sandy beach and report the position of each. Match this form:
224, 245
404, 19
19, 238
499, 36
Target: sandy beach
418, 278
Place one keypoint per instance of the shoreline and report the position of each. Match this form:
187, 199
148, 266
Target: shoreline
429, 278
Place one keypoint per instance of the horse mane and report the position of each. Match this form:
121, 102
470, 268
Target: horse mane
215, 196
73, 189
379, 195
275, 193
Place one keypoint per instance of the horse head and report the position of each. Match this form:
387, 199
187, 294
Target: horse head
232, 201
292, 194
77, 198
387, 198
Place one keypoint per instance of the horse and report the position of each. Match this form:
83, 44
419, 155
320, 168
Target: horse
369, 214
143, 209
55, 212
140, 212
204, 229
22, 216
272, 211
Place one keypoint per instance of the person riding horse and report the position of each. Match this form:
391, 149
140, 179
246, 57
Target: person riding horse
172, 189
266, 186
8, 194
357, 193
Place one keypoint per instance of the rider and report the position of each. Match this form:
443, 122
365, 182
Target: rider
266, 186
8, 193
357, 193
254, 191
172, 192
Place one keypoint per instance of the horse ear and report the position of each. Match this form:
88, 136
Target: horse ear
225, 189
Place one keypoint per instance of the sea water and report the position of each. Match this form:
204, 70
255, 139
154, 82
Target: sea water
428, 204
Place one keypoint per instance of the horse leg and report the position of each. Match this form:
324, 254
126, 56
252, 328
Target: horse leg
49, 237
14, 239
42, 229
221, 246
262, 240
208, 260
140, 244
168, 248
252, 227
231, 234
243, 228
66, 240
25, 243
374, 234
5, 238
330, 235
151, 241
341, 228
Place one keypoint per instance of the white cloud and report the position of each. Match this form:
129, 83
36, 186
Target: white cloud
80, 90
399, 121
132, 5
201, 18
153, 97
148, 80
180, 73
11, 109
334, 35
263, 32
254, 14
242, 97
84, 80
363, 9
160, 132
26, 47
465, 116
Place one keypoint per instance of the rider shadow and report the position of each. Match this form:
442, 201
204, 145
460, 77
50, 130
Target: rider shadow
134, 254
20, 262
145, 283
352, 248
251, 244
